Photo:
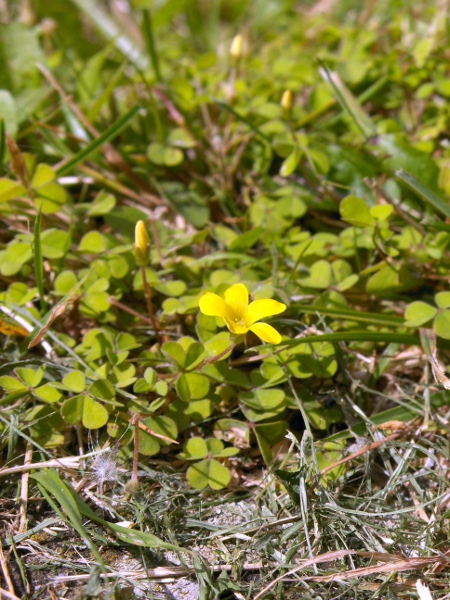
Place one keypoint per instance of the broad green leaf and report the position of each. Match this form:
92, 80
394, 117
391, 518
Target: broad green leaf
441, 324
65, 282
94, 414
55, 243
442, 299
48, 393
75, 381
102, 204
319, 275
174, 352
192, 386
355, 211
92, 242
44, 174
11, 384
162, 425
418, 313
195, 448
381, 212
290, 163
10, 189
385, 280
208, 472
102, 389
218, 344
72, 409
30, 377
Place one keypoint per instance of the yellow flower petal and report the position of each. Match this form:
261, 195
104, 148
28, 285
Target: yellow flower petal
213, 305
266, 333
141, 245
236, 297
259, 309
236, 328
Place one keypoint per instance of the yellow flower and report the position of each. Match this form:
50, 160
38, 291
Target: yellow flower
141, 245
237, 44
239, 315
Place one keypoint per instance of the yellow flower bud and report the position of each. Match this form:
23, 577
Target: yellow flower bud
141, 245
236, 47
286, 101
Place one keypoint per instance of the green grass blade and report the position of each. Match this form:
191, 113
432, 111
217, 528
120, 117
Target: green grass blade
424, 192
151, 46
243, 120
354, 315
102, 139
38, 259
398, 413
348, 102
105, 24
74, 503
57, 488
358, 336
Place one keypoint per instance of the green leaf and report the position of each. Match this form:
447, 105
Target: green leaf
162, 425
102, 389
192, 386
267, 435
195, 354
418, 313
92, 242
43, 174
247, 240
55, 243
385, 280
11, 384
218, 344
195, 448
290, 163
30, 377
8, 112
72, 409
441, 324
319, 275
174, 352
355, 211
65, 282
208, 472
48, 393
75, 381
443, 299
193, 207
102, 204
94, 414
51, 197
381, 212
10, 190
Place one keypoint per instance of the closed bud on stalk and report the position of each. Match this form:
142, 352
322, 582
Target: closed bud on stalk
141, 245
286, 102
236, 47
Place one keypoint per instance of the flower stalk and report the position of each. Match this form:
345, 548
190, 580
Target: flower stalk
142, 257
